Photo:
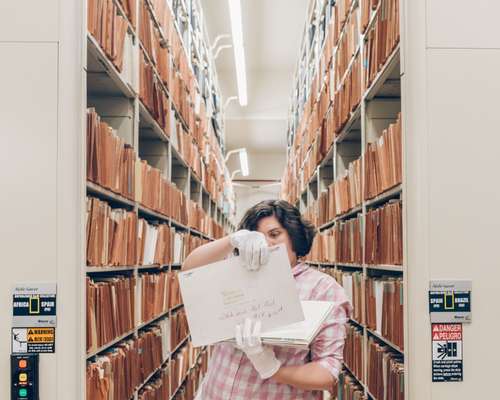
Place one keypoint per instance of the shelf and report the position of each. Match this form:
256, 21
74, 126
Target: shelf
187, 374
360, 382
165, 88
323, 263
351, 126
391, 268
150, 213
177, 224
385, 196
201, 234
153, 320
387, 83
178, 157
327, 225
328, 159
155, 371
110, 344
385, 341
102, 76
349, 66
348, 214
122, 12
149, 128
163, 40
358, 324
151, 267
369, 394
176, 308
349, 265
105, 194
181, 343
108, 270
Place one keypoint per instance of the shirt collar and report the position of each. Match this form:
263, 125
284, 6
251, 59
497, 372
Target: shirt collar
299, 268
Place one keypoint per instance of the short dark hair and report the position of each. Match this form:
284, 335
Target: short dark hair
301, 231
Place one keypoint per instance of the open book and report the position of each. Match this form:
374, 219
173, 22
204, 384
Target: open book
300, 334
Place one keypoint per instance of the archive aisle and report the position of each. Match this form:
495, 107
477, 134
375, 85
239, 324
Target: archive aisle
113, 134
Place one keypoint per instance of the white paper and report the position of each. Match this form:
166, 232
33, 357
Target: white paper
150, 247
178, 247
315, 313
220, 295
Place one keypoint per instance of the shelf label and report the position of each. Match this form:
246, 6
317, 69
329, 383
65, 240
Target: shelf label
33, 340
34, 305
447, 355
450, 301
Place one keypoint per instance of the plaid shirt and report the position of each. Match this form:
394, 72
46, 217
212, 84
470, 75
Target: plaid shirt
231, 375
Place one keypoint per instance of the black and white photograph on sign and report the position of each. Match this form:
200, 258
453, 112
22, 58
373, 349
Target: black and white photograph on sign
447, 353
19, 340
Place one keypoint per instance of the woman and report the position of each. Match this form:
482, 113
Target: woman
251, 370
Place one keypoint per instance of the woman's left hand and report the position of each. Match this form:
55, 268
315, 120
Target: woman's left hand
249, 341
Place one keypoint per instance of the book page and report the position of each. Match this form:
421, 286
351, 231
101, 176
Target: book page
315, 313
221, 295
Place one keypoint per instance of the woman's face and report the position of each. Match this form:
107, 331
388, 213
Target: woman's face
276, 234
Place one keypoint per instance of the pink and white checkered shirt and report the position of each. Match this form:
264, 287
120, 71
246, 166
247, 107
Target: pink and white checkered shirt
231, 375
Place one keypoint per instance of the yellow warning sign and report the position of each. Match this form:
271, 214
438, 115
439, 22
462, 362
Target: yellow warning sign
41, 335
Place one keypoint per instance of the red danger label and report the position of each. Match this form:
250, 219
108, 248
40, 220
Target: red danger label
446, 332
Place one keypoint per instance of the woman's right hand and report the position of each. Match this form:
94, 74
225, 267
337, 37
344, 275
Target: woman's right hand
252, 247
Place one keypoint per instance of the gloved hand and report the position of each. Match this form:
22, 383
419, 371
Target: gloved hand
252, 246
262, 357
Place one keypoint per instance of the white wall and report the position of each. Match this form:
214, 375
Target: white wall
41, 142
450, 118
264, 168
248, 197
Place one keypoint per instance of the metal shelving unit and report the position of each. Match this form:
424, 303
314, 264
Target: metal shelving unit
349, 143
105, 87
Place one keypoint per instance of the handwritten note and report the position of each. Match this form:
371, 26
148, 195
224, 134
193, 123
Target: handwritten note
220, 295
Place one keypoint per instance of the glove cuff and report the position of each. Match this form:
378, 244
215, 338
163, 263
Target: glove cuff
235, 236
265, 362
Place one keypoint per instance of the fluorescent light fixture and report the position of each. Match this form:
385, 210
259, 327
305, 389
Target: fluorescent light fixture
244, 162
239, 50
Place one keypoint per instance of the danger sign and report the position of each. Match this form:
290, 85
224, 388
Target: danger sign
446, 332
447, 353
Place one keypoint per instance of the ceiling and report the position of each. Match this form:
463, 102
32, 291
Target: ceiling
272, 32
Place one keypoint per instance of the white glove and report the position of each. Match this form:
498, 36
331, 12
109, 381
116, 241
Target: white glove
262, 357
252, 246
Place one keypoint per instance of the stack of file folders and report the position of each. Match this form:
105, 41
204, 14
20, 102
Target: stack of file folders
384, 235
108, 28
386, 373
383, 161
111, 235
353, 350
384, 308
110, 161
110, 309
348, 241
382, 37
